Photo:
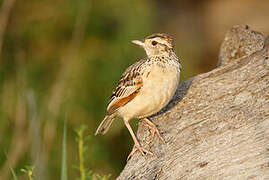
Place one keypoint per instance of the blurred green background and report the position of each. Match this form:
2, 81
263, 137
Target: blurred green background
61, 59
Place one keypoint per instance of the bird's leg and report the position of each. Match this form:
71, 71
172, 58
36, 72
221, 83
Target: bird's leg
137, 145
153, 128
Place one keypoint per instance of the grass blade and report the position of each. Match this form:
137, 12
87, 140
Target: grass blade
13, 174
64, 155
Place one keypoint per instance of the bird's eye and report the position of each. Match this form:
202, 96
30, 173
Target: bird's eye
154, 43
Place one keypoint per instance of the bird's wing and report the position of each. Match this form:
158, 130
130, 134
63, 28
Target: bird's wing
129, 86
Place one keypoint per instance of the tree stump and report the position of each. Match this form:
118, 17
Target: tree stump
217, 124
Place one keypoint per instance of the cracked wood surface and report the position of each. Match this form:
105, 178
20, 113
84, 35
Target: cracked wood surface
217, 125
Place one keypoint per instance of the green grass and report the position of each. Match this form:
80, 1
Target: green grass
64, 155
29, 171
13, 174
85, 173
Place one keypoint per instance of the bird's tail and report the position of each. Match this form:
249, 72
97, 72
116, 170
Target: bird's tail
105, 124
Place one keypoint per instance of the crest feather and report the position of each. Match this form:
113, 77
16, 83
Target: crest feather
163, 36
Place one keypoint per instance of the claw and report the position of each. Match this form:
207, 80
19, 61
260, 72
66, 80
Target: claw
143, 151
154, 130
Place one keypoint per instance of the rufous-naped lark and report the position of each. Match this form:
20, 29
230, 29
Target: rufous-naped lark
145, 87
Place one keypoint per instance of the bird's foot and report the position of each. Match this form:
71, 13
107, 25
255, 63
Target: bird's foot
143, 151
153, 129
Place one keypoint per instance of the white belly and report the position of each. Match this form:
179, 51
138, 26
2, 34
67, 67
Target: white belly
158, 89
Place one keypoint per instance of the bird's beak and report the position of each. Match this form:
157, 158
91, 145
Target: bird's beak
138, 42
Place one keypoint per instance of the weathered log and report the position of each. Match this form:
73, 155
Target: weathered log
217, 125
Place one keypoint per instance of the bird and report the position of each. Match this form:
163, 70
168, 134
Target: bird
145, 87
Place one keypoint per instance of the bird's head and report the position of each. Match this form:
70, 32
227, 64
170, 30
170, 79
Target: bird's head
156, 44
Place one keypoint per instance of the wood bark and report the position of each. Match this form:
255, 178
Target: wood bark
217, 124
